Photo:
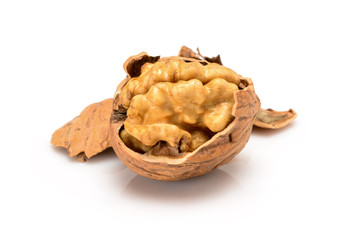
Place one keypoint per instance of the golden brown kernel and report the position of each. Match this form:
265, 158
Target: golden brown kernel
174, 71
171, 111
133, 143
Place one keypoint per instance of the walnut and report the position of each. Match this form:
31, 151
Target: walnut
179, 117
173, 117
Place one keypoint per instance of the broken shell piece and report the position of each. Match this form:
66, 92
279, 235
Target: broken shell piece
272, 119
87, 134
188, 53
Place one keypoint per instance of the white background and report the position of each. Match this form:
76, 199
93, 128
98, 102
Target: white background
301, 182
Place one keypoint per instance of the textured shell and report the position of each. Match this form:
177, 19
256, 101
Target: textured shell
87, 134
219, 150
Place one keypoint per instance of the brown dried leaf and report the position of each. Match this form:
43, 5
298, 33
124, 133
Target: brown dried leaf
87, 134
273, 119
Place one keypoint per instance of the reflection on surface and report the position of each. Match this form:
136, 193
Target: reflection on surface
129, 184
211, 184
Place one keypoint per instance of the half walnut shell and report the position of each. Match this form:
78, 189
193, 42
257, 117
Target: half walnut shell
170, 166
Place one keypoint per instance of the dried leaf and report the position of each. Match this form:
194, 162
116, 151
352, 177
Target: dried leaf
88, 133
273, 119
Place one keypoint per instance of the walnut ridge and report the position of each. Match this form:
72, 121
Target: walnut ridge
173, 118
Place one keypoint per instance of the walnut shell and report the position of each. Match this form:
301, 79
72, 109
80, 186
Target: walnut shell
219, 150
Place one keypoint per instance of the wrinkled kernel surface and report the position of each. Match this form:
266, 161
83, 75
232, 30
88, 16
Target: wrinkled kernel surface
174, 71
184, 112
